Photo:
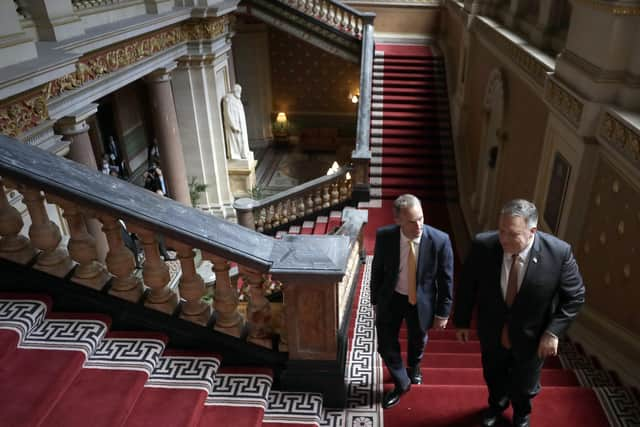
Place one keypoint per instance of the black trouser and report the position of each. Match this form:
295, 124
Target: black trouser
388, 328
511, 377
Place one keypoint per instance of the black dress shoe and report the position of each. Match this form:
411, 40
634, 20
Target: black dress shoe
414, 374
393, 397
491, 416
521, 421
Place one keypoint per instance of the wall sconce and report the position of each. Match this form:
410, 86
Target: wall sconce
354, 97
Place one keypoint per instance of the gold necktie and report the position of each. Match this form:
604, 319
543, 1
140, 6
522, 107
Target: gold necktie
411, 274
512, 290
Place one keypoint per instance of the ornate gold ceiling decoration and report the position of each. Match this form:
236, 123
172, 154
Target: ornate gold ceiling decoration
26, 111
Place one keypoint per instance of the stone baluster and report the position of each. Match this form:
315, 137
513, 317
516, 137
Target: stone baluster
308, 203
259, 309
344, 189
156, 275
13, 246
316, 8
317, 200
300, 207
192, 287
82, 247
345, 20
335, 193
284, 211
269, 220
338, 17
228, 319
358, 28
45, 235
275, 221
120, 262
261, 220
293, 211
350, 18
326, 196
331, 14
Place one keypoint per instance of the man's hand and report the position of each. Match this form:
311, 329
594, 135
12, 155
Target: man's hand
548, 346
462, 335
439, 323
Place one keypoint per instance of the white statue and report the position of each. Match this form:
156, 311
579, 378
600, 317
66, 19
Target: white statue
235, 125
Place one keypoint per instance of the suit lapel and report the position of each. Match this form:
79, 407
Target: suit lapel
532, 266
395, 245
426, 242
498, 253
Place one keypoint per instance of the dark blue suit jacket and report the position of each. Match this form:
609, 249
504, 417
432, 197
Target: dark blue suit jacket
434, 272
550, 296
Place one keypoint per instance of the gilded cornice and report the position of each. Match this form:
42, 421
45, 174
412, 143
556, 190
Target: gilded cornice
564, 102
23, 112
26, 111
621, 136
617, 9
531, 65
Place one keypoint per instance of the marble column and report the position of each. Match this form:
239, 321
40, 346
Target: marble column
198, 105
165, 123
76, 130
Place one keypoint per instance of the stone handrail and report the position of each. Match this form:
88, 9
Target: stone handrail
303, 264
295, 203
91, 4
335, 14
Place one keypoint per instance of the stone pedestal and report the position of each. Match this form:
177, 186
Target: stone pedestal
242, 176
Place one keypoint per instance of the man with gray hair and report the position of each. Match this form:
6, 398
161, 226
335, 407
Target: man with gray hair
411, 279
527, 289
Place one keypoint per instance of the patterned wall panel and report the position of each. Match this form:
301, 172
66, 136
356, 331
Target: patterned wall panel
610, 248
307, 79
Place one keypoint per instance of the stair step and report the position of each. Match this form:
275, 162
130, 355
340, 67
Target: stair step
429, 100
293, 408
428, 106
19, 315
473, 376
36, 375
335, 220
239, 397
426, 161
427, 123
419, 134
406, 83
321, 225
579, 406
468, 360
391, 174
183, 378
422, 75
408, 69
436, 93
116, 373
408, 116
405, 60
307, 227
403, 148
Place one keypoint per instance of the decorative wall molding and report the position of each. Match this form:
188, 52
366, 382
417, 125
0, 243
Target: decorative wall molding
614, 8
560, 99
597, 74
621, 135
519, 54
25, 111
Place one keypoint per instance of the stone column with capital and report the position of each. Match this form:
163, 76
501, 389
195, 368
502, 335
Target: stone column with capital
76, 130
195, 86
167, 133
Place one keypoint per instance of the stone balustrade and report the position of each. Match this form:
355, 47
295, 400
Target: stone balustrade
333, 13
296, 203
303, 270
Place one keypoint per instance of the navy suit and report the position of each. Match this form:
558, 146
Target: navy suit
434, 288
549, 298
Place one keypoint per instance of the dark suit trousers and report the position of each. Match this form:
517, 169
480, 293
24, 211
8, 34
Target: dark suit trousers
388, 328
508, 376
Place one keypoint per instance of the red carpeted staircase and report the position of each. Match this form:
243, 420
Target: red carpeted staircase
69, 369
410, 132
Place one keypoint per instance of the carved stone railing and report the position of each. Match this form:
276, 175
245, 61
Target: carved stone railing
311, 268
334, 13
92, 4
296, 203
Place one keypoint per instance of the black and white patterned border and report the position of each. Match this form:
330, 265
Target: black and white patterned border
364, 368
126, 354
66, 334
21, 316
240, 390
620, 405
185, 372
292, 407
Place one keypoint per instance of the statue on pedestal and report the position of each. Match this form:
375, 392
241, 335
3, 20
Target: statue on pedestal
235, 125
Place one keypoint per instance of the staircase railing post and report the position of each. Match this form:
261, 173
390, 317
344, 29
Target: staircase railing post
244, 212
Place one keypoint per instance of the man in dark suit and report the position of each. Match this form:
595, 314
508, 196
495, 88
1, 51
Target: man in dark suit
411, 279
528, 289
